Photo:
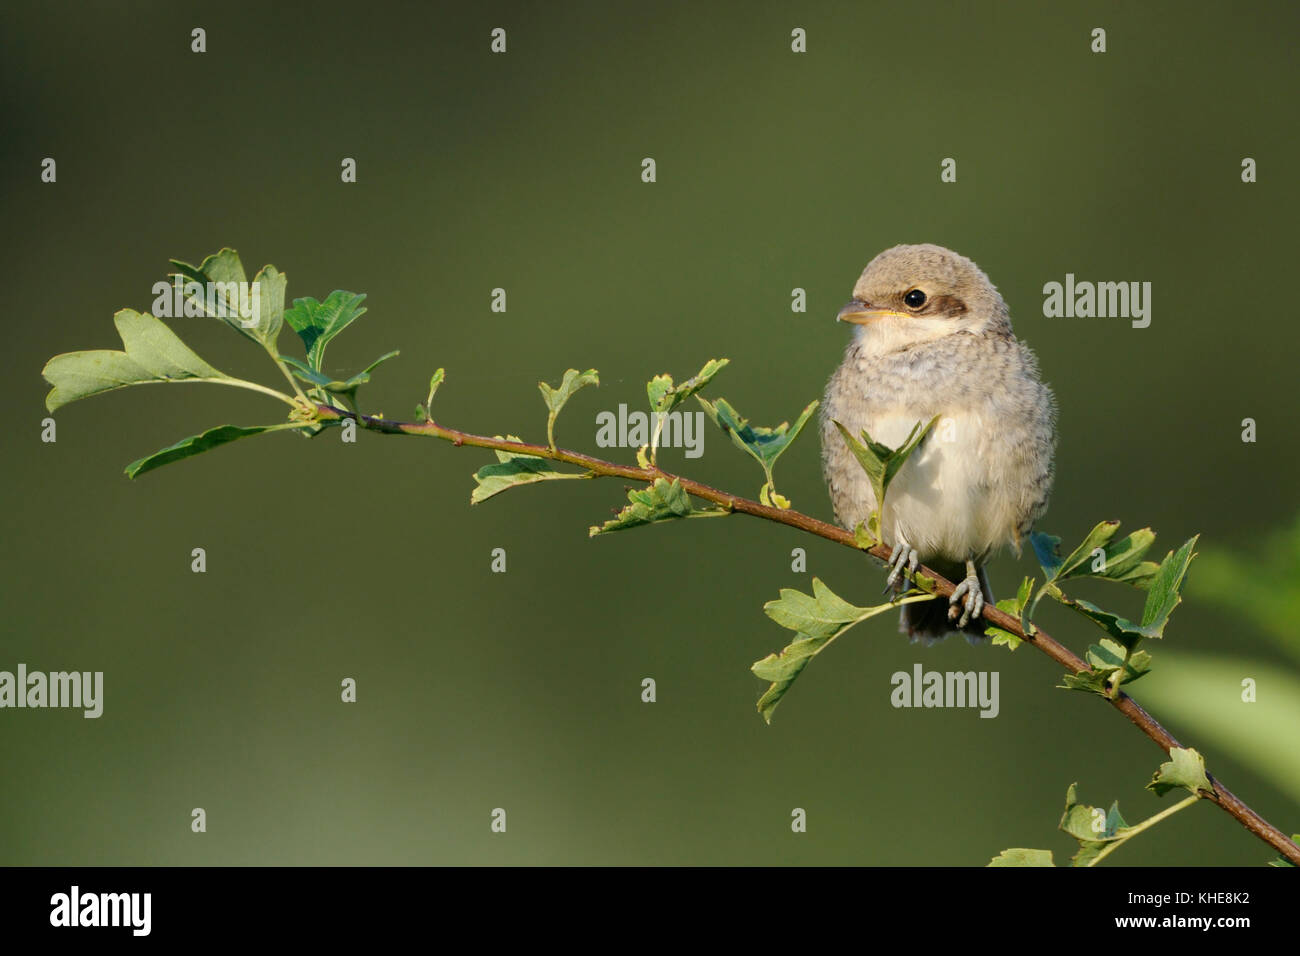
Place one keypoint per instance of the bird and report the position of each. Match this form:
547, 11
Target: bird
933, 337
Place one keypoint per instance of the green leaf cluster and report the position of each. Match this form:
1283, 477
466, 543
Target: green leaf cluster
1100, 832
663, 500
152, 353
882, 464
514, 469
665, 396
764, 445
556, 398
818, 619
1092, 827
221, 274
1184, 769
1015, 607
1106, 661
1115, 660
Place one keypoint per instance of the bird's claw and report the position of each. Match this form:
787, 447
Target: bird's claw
973, 604
903, 563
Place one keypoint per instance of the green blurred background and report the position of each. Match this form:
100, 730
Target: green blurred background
522, 690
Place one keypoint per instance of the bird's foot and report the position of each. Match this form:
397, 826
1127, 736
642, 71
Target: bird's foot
902, 563
967, 599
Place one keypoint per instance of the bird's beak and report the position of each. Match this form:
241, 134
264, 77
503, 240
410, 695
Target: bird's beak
860, 313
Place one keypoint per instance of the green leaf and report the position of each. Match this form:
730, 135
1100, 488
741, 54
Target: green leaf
764, 444
225, 274
1109, 656
665, 396
196, 445
269, 284
1120, 560
221, 267
1162, 597
317, 323
347, 387
880, 462
1185, 768
1013, 606
153, 353
362, 377
1106, 660
820, 614
1123, 560
818, 618
573, 380
1022, 857
662, 501
556, 398
1164, 591
1091, 827
514, 469
1080, 556
305, 372
1088, 823
434, 382
1093, 682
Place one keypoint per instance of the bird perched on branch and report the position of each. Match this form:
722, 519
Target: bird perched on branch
933, 338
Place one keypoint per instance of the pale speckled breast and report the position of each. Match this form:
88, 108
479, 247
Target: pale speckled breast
980, 478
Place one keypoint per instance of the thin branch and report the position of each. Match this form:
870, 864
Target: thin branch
1039, 639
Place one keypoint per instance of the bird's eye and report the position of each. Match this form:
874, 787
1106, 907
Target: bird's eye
914, 299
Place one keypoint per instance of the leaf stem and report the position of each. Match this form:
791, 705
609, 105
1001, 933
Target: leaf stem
1137, 828
251, 386
1122, 672
275, 357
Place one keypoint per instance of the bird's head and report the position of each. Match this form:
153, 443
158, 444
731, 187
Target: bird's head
908, 295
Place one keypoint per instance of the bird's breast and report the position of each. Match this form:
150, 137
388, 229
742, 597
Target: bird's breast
945, 501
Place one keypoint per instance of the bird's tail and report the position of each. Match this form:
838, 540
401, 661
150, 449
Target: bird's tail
928, 622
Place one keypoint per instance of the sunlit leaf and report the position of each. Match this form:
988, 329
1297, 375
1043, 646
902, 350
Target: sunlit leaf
1022, 857
513, 469
665, 396
818, 618
1162, 597
661, 501
223, 295
556, 397
196, 445
1092, 827
1185, 768
880, 462
1013, 606
317, 323
153, 354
